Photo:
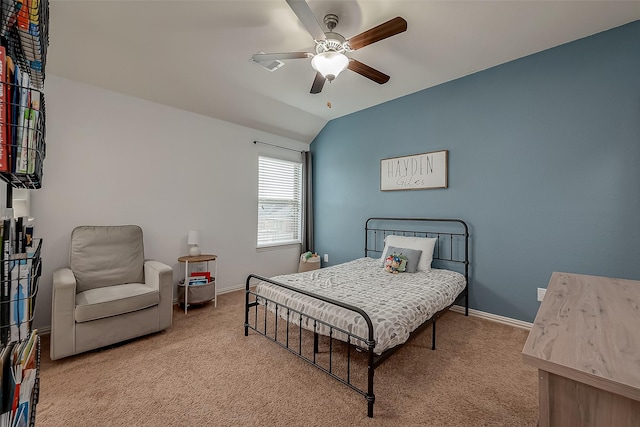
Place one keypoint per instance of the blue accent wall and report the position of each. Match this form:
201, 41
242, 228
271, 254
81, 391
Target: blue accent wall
544, 166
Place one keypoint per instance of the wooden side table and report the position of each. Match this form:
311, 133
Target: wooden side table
199, 258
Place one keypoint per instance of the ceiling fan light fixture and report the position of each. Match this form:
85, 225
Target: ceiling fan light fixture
330, 64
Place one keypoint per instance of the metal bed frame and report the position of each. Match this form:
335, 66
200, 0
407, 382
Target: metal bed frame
447, 251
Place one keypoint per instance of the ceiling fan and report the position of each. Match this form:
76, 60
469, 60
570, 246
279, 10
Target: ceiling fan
329, 59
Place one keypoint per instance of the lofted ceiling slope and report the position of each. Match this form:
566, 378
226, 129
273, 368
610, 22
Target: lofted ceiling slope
195, 55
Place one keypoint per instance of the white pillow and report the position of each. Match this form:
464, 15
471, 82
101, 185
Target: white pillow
424, 244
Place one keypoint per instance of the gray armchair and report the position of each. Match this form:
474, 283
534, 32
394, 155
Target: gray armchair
109, 293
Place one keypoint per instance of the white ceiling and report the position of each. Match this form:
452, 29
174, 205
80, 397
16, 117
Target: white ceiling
194, 55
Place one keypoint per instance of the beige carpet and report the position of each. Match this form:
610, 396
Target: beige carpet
203, 371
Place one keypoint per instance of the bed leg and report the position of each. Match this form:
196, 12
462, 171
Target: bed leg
466, 303
315, 342
370, 406
370, 371
433, 336
246, 308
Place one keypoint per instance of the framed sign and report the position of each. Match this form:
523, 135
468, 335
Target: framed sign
416, 172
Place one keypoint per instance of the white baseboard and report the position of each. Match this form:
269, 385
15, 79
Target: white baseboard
44, 331
494, 317
220, 291
457, 308
231, 289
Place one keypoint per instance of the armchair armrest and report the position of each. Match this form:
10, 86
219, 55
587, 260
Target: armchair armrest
63, 304
160, 276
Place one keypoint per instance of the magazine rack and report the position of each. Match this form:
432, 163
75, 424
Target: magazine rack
20, 273
198, 294
24, 160
24, 38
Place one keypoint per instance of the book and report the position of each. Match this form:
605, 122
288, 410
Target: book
9, 14
23, 121
4, 158
205, 274
10, 70
197, 281
28, 235
27, 153
26, 351
23, 411
19, 300
34, 18
20, 419
4, 281
16, 378
23, 14
23, 380
29, 354
15, 122
25, 376
32, 135
18, 245
5, 381
32, 43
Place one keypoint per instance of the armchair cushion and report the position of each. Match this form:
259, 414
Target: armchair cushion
106, 255
114, 300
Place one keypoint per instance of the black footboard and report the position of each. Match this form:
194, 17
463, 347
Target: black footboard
268, 326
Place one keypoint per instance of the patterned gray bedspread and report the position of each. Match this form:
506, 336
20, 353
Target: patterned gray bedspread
396, 303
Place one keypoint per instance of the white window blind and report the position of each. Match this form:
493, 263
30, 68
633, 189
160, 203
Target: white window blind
279, 201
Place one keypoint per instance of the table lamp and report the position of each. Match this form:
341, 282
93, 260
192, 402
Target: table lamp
193, 240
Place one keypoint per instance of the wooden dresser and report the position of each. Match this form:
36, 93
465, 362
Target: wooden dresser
585, 343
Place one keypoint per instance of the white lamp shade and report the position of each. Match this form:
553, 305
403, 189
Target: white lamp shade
330, 64
193, 238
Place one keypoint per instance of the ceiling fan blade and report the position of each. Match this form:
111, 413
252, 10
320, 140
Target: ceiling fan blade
308, 19
390, 28
368, 72
318, 83
258, 57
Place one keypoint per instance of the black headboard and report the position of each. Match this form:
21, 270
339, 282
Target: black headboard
452, 234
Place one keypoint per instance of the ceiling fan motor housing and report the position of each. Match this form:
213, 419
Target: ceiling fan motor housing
333, 42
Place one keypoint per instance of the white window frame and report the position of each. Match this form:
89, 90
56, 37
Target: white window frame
279, 185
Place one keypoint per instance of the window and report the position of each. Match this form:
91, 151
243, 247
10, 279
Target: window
279, 202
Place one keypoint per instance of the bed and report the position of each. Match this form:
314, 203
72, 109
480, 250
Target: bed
364, 308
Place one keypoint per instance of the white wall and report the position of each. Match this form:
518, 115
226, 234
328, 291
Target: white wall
113, 159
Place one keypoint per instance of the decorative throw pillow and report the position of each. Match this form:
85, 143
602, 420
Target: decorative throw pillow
412, 257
